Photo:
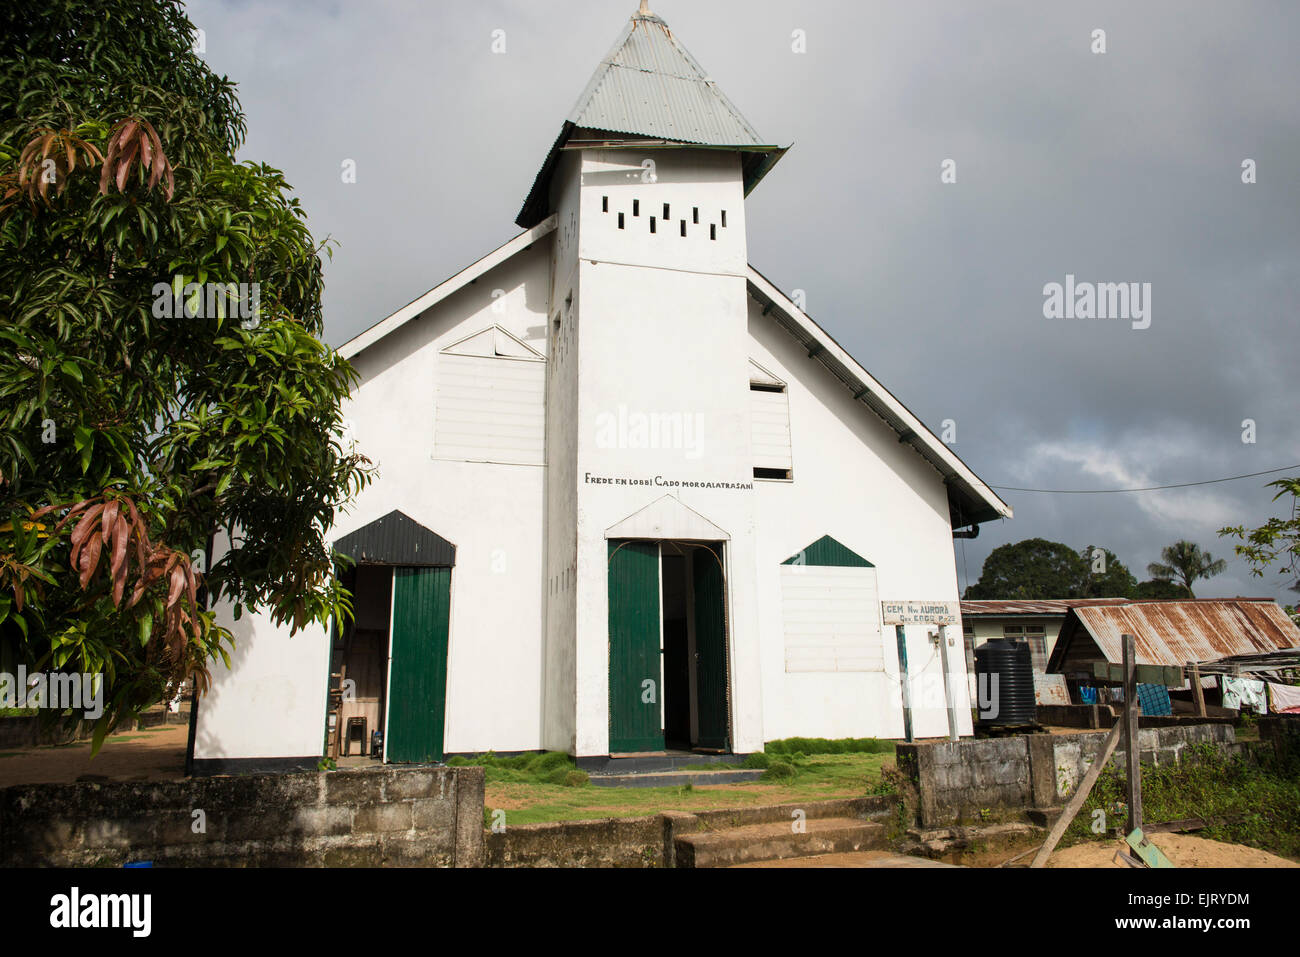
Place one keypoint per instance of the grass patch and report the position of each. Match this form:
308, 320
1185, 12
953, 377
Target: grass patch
1256, 793
547, 767
528, 800
18, 712
829, 746
780, 771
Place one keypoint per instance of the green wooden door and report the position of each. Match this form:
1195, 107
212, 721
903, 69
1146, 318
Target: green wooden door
635, 679
417, 691
710, 647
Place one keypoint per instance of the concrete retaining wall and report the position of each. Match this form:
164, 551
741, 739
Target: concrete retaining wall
956, 781
390, 816
647, 841
613, 842
1282, 731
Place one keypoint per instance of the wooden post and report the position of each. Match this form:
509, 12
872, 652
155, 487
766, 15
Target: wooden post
1132, 744
1198, 693
947, 685
900, 634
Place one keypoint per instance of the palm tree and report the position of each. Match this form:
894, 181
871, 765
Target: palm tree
1185, 561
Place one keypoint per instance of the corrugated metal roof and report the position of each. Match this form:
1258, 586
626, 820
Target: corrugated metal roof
649, 85
1055, 606
1176, 632
397, 539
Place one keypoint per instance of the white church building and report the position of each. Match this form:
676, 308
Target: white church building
631, 499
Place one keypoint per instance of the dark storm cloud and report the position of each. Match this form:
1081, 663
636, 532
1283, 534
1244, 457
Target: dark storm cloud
1122, 167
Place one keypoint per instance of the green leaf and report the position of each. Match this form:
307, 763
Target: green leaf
87, 451
138, 398
101, 729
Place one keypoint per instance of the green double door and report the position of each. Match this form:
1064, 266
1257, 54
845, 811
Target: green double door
417, 691
636, 671
710, 647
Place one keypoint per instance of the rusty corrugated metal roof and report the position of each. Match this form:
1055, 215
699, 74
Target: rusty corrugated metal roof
1054, 606
1176, 632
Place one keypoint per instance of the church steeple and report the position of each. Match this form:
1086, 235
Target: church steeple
649, 88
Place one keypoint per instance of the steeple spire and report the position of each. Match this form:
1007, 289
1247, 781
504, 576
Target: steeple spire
649, 87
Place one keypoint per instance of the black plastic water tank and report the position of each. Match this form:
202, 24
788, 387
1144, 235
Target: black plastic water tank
1004, 682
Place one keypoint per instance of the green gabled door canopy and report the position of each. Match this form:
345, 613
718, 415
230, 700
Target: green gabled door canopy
827, 551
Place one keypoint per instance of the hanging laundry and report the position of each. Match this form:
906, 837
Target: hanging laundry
1245, 693
1284, 699
1154, 700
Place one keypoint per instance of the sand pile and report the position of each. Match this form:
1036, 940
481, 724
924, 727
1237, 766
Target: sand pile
1185, 850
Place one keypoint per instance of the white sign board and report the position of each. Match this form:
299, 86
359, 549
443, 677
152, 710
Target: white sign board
1050, 689
919, 612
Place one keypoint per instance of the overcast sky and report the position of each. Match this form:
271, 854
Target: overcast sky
1123, 166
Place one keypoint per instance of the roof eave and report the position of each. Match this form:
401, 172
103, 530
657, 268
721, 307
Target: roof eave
756, 162
415, 307
970, 500
537, 205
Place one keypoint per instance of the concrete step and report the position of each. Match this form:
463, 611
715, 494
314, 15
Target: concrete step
657, 761
857, 808
666, 779
777, 841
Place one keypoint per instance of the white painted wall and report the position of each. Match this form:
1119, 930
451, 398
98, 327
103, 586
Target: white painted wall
652, 325
854, 481
271, 703
559, 666
662, 333
493, 514
830, 616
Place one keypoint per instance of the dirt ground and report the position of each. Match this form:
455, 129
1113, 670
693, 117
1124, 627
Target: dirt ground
154, 754
1185, 850
850, 859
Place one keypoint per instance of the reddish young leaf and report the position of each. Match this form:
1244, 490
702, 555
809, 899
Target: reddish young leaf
108, 522
89, 558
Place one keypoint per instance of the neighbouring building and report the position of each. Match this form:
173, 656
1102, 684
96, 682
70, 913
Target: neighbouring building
631, 498
1036, 622
1172, 633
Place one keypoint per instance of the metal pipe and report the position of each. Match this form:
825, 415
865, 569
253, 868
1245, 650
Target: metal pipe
901, 636
947, 684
